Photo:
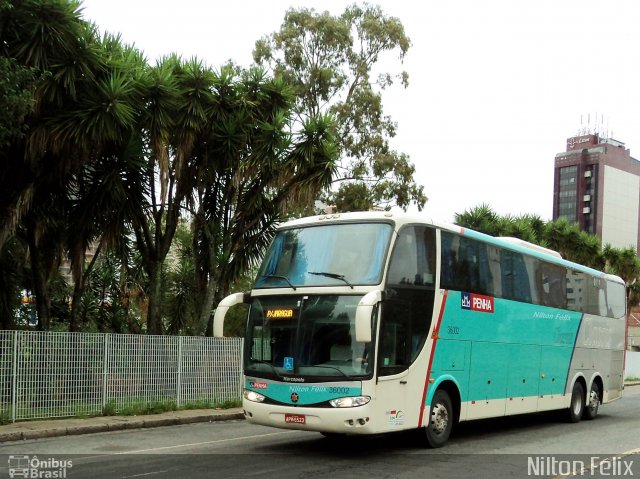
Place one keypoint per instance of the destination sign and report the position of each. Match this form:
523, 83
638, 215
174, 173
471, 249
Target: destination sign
280, 313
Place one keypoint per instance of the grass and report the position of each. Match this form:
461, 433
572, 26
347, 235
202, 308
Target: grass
632, 379
141, 407
5, 418
135, 407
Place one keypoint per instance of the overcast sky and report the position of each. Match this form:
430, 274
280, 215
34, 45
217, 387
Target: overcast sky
496, 86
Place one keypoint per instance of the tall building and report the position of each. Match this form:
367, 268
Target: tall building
597, 185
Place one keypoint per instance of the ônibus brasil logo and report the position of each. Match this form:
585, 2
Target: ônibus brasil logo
32, 467
476, 302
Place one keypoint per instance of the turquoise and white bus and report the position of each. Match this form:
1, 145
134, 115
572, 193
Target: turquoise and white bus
366, 323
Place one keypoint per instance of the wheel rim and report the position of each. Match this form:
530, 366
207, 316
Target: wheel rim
593, 401
439, 418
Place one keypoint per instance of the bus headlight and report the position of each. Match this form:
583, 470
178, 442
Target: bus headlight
350, 401
252, 396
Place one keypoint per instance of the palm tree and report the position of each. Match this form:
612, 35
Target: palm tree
178, 96
480, 218
252, 174
86, 98
49, 39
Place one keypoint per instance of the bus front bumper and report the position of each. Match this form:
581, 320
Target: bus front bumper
353, 420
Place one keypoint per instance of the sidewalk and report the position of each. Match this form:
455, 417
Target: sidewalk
67, 427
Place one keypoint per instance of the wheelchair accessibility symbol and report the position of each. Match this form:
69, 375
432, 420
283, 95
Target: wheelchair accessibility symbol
288, 363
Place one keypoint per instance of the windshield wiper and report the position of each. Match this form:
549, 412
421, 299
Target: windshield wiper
277, 276
262, 361
330, 367
331, 275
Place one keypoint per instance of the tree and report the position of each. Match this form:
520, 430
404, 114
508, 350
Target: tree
16, 100
626, 264
13, 278
252, 174
179, 97
182, 301
48, 39
330, 62
559, 235
83, 99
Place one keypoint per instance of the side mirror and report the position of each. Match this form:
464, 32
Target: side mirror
221, 311
363, 315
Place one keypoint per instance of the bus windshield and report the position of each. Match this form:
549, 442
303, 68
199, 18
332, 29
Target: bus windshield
309, 336
326, 255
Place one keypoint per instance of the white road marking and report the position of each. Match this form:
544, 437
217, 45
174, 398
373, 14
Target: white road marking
143, 474
218, 441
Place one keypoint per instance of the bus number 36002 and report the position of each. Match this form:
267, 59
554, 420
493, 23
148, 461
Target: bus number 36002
338, 390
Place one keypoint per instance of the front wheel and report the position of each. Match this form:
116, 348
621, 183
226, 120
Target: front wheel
576, 409
441, 419
591, 411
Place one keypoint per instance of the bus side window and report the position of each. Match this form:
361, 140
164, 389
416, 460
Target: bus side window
552, 284
516, 284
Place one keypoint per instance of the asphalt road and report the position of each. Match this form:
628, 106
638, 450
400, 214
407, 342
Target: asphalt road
523, 446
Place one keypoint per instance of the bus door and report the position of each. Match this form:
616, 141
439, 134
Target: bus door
405, 319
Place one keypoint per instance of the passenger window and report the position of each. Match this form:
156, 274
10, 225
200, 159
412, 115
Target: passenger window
553, 284
469, 265
515, 276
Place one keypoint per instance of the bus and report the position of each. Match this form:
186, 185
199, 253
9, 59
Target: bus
368, 323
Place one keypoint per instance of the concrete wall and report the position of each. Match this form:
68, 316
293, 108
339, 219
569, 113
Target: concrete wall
620, 208
632, 366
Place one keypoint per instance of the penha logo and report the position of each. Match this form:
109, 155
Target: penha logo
477, 302
258, 385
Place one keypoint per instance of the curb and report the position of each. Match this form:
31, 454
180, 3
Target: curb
33, 430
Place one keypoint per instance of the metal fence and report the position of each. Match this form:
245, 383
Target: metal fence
45, 374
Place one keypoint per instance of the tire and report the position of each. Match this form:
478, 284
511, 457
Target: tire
441, 419
595, 396
576, 408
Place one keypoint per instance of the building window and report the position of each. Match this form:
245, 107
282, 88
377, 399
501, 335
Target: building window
567, 197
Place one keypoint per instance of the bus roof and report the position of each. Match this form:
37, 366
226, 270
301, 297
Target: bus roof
400, 218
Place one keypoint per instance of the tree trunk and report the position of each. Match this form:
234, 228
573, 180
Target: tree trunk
154, 313
206, 316
76, 302
39, 271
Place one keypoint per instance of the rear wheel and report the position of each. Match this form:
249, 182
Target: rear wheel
441, 419
595, 396
576, 409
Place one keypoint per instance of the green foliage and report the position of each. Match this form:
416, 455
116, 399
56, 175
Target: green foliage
13, 278
139, 407
5, 418
182, 307
560, 235
16, 100
251, 172
329, 61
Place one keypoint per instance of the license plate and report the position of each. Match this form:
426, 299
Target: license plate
295, 418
